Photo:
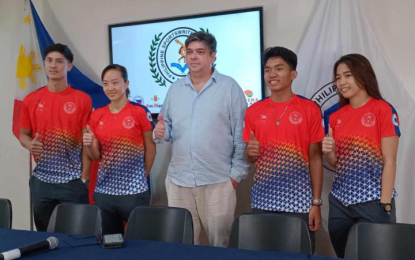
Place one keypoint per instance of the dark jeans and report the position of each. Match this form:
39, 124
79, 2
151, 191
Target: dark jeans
117, 208
342, 218
304, 216
46, 196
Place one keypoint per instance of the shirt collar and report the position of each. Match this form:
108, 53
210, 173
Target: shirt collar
214, 78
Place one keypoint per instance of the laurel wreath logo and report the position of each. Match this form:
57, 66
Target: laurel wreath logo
152, 58
156, 75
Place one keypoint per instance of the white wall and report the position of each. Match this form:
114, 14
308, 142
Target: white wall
392, 22
83, 25
14, 160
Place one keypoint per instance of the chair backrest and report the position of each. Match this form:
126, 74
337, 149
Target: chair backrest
270, 232
76, 219
5, 213
381, 241
167, 224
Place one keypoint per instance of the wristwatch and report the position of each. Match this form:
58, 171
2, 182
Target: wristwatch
317, 202
387, 207
85, 181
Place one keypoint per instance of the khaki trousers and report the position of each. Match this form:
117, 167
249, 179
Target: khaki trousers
212, 206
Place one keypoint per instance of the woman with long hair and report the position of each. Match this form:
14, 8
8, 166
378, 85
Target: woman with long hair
362, 145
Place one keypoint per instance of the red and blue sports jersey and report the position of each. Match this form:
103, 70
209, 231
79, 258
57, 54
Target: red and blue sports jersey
282, 179
121, 168
359, 165
59, 119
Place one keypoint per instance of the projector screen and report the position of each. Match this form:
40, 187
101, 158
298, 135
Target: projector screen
153, 52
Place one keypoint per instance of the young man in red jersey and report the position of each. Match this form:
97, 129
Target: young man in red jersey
283, 134
51, 124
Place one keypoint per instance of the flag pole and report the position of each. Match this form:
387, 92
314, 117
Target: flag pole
30, 193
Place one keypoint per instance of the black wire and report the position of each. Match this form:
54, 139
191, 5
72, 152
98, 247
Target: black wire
81, 238
91, 244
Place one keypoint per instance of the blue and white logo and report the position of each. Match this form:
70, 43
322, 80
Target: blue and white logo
395, 120
149, 117
167, 55
139, 100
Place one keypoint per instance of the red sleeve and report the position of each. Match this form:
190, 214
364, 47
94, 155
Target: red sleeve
331, 122
86, 112
92, 122
388, 121
145, 120
316, 126
248, 127
25, 120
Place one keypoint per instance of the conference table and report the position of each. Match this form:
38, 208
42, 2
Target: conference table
82, 247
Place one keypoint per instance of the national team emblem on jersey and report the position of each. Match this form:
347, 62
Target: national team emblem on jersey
149, 117
69, 107
395, 120
296, 118
338, 123
128, 122
368, 120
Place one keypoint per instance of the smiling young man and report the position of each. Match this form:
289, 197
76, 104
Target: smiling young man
51, 124
283, 134
203, 117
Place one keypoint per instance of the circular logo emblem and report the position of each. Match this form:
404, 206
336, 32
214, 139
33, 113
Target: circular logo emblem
395, 120
368, 120
139, 100
149, 117
128, 122
296, 118
167, 55
69, 107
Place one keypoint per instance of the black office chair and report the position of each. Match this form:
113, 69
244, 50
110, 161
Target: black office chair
167, 224
76, 219
5, 213
270, 232
381, 241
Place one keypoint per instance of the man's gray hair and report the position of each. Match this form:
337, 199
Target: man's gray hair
203, 37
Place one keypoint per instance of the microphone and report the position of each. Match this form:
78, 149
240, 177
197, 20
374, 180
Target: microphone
50, 243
